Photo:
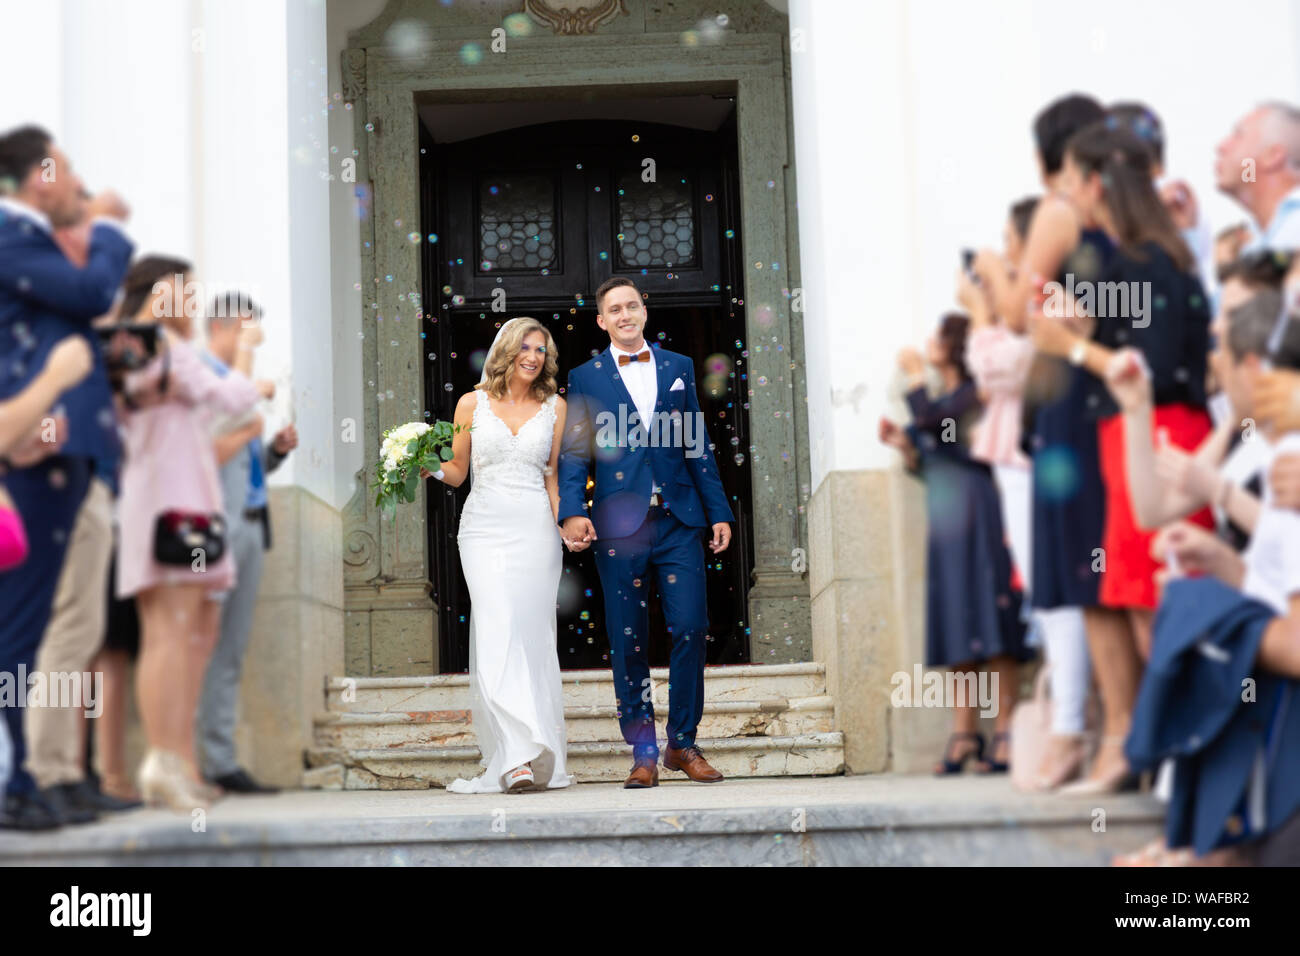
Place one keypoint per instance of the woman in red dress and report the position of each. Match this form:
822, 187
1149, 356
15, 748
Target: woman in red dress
1149, 299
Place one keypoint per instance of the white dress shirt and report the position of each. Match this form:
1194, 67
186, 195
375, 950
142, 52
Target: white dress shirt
16, 207
642, 383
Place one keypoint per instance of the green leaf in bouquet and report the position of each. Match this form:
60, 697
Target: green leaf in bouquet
446, 454
412, 482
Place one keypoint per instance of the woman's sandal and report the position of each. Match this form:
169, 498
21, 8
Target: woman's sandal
947, 766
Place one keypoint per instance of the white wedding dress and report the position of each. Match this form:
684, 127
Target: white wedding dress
510, 550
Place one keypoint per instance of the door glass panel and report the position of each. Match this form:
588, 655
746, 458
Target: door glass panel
517, 222
656, 221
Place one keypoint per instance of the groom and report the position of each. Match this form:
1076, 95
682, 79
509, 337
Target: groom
634, 414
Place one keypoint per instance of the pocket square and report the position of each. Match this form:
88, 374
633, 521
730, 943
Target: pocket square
677, 386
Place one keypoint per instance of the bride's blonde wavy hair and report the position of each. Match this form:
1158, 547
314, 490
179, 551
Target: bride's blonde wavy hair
500, 365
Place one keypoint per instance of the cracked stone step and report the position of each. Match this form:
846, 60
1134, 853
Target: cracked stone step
591, 762
581, 688
443, 728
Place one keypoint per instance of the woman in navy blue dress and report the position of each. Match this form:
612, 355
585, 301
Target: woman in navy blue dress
972, 612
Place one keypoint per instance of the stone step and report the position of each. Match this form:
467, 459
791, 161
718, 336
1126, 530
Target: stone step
591, 762
583, 724
873, 820
586, 688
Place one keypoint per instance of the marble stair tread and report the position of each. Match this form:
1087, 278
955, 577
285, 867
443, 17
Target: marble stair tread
598, 675
613, 748
576, 712
580, 688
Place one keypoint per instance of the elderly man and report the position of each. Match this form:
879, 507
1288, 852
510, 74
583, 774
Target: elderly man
1258, 165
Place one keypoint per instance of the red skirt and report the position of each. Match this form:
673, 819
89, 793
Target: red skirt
1128, 580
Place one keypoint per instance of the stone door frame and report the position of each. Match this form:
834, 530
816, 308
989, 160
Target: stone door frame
386, 563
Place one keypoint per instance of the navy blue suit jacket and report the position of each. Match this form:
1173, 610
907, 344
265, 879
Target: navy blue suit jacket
602, 430
44, 297
1190, 707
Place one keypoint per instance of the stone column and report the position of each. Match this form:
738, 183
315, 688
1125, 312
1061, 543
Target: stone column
778, 600
391, 622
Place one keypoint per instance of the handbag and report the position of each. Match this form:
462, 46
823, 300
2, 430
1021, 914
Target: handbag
178, 533
1031, 725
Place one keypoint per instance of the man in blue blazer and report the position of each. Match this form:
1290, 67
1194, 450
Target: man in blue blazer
44, 297
634, 417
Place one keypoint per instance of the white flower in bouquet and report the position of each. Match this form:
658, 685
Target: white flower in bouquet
405, 451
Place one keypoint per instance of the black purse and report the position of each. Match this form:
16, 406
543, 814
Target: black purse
178, 534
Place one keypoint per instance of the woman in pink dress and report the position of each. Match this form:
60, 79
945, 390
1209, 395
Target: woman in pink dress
170, 464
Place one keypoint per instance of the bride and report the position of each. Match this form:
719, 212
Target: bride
510, 552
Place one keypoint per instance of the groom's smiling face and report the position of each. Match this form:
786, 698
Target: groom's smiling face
622, 314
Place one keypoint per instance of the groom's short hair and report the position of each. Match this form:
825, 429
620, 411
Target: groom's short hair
609, 285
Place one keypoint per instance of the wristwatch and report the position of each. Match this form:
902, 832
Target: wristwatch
1078, 352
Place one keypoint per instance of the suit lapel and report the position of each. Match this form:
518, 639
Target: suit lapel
663, 373
620, 387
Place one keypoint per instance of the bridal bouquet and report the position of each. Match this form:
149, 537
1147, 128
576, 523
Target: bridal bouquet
406, 450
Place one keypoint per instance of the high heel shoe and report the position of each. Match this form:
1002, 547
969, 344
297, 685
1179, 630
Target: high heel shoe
1068, 768
991, 765
1119, 780
947, 766
164, 782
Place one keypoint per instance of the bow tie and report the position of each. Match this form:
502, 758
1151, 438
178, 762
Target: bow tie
643, 356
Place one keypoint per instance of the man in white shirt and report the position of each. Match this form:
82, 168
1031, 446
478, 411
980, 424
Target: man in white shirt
1258, 165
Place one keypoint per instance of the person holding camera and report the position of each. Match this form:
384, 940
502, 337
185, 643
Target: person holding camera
173, 553
44, 298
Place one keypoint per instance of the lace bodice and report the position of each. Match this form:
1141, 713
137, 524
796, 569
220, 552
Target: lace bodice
508, 462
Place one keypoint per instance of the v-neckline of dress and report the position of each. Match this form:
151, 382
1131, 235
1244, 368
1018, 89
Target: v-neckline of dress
513, 434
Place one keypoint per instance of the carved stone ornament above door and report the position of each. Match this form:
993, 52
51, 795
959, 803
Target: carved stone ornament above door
573, 17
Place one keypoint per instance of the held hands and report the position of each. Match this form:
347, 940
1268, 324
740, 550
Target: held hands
578, 532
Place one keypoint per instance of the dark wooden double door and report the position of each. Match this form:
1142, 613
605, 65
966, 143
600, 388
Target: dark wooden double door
531, 222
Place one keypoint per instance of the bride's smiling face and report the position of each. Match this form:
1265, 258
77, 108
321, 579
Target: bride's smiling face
531, 358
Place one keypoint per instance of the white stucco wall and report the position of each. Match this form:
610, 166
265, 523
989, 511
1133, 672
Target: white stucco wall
210, 118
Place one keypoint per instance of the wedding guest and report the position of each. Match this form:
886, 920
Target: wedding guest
999, 360
1258, 165
1177, 195
1067, 496
20, 435
44, 298
244, 463
171, 470
972, 613
1108, 176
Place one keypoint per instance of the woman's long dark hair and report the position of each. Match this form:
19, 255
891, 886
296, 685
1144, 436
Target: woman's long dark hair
952, 336
1124, 162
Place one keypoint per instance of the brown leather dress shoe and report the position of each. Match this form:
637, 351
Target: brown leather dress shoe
691, 762
645, 773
